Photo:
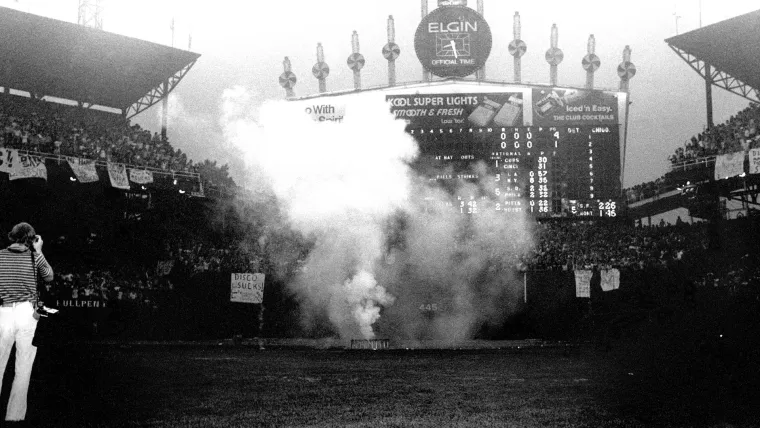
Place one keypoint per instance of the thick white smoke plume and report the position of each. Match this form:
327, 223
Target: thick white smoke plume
383, 261
338, 184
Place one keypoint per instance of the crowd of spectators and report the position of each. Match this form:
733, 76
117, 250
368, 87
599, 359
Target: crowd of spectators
125, 282
738, 133
581, 245
741, 272
195, 257
650, 189
558, 246
57, 129
44, 127
146, 284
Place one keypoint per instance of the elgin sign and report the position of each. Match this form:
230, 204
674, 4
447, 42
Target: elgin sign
453, 41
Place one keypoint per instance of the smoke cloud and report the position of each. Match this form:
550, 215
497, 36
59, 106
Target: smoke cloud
385, 260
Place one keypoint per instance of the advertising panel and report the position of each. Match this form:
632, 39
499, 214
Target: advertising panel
498, 109
557, 107
325, 111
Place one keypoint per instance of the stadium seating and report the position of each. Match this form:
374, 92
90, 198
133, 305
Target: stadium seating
738, 133
102, 267
53, 128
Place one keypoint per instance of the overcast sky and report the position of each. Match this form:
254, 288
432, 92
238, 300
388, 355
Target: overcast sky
243, 43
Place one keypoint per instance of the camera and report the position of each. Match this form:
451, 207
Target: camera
44, 311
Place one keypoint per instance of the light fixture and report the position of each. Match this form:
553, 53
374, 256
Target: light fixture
181, 192
175, 181
143, 187
72, 179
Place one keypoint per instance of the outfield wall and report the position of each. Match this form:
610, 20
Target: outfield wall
199, 309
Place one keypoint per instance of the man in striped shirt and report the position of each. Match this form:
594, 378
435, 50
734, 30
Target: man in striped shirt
21, 264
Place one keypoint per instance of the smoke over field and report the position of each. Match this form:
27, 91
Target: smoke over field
384, 261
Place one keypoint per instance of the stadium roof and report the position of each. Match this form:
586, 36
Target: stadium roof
48, 57
731, 48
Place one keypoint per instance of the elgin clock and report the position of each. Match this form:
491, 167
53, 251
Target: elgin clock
453, 41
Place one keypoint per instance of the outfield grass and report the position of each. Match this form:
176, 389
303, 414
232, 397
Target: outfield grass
225, 386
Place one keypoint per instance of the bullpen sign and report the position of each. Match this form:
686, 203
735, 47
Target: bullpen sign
453, 41
247, 287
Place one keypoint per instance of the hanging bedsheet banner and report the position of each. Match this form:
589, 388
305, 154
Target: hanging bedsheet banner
117, 173
84, 169
28, 166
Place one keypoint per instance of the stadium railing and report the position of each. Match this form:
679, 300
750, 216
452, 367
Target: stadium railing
693, 163
159, 171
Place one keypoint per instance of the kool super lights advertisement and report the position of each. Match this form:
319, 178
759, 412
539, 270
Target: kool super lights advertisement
452, 110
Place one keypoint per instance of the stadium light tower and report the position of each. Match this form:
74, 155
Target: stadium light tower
90, 14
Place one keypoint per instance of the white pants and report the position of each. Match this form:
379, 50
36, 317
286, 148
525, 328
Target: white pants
17, 324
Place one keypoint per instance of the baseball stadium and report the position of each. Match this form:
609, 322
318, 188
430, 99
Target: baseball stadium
462, 242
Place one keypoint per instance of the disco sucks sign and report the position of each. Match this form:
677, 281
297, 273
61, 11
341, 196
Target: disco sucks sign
453, 40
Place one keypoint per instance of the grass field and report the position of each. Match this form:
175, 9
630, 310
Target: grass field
225, 386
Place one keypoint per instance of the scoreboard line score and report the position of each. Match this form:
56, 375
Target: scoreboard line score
546, 172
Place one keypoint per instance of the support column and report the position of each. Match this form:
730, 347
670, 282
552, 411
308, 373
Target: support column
165, 114
708, 95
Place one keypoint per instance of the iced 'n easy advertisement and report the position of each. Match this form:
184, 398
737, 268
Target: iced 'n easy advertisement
556, 107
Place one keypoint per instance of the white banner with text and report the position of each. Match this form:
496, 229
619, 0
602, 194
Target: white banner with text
247, 287
118, 175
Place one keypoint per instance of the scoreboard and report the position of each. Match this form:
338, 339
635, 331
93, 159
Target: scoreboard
543, 171
507, 148
565, 163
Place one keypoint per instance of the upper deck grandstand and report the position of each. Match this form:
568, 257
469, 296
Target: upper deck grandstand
725, 55
70, 91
